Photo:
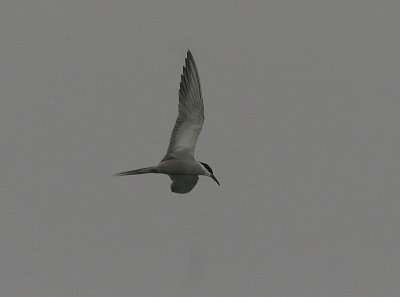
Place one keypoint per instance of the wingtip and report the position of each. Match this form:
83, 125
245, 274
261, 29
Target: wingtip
189, 61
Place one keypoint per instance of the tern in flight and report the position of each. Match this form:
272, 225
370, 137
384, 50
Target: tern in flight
179, 162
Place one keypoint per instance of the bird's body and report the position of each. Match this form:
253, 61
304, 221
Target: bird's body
180, 167
179, 162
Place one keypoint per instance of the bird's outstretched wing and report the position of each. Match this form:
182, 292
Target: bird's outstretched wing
183, 184
191, 114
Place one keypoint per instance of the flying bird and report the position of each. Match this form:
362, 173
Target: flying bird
179, 162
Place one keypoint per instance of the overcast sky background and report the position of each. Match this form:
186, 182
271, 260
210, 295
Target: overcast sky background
302, 128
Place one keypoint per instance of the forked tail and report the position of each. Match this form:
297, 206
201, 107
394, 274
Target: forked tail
138, 171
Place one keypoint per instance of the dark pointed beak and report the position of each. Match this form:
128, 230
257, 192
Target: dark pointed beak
215, 179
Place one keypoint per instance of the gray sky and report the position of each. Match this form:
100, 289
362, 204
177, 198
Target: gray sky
302, 129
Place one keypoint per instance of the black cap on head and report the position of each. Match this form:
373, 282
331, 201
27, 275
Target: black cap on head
207, 167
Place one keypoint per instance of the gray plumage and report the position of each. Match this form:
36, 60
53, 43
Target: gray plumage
179, 162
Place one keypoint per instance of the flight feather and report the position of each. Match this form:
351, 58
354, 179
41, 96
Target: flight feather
191, 114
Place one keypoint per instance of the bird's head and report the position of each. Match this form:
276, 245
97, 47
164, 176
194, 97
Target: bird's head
209, 172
